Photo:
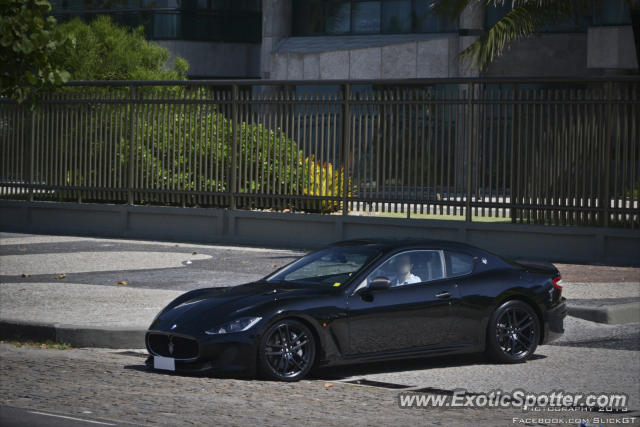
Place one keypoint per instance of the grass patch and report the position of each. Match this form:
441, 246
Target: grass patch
47, 344
450, 217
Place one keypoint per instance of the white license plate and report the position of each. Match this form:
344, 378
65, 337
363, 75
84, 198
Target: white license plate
165, 363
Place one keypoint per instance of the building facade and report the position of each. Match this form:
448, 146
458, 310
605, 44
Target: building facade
363, 39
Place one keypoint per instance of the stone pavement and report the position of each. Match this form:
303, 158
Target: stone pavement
115, 386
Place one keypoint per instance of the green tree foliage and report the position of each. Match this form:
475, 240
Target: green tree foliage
30, 49
107, 51
190, 148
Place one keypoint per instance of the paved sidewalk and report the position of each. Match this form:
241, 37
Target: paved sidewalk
82, 305
79, 314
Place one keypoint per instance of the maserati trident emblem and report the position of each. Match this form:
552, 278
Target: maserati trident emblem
170, 345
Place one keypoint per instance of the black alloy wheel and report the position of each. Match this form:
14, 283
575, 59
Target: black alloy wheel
513, 333
287, 351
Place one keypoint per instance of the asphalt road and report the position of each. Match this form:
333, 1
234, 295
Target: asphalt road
19, 417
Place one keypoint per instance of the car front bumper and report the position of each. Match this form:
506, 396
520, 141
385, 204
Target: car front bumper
217, 354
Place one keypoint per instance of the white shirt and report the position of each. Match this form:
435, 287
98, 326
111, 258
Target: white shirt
411, 279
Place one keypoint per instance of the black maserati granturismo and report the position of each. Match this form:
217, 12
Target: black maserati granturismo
363, 300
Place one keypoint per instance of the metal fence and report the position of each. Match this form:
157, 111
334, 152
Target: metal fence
554, 152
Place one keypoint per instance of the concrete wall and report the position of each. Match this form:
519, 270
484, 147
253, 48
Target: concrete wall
557, 244
276, 25
544, 55
611, 48
569, 54
217, 59
471, 24
370, 57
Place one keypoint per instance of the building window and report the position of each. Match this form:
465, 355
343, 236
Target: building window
396, 16
366, 17
610, 12
317, 17
338, 16
313, 22
202, 20
426, 21
165, 26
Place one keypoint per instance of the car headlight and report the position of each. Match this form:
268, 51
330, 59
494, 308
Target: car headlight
238, 325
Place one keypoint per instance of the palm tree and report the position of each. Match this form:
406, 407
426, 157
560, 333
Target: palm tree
525, 18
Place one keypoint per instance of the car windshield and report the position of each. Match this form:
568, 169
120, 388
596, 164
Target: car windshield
331, 267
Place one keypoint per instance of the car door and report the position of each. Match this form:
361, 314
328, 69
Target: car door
404, 317
459, 266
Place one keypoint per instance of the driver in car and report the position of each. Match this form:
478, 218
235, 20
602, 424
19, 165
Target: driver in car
403, 275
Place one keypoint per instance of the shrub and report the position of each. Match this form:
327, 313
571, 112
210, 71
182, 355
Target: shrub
323, 179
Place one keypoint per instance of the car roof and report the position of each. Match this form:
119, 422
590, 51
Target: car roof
390, 244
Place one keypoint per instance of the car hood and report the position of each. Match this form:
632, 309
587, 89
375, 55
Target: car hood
203, 309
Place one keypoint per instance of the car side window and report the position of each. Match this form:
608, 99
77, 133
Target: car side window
459, 264
409, 267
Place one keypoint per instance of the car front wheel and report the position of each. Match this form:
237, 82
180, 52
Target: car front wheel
286, 351
513, 332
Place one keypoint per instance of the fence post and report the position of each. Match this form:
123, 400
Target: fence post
513, 191
607, 154
469, 168
132, 143
346, 126
31, 153
234, 146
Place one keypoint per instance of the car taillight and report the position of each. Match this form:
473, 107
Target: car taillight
557, 282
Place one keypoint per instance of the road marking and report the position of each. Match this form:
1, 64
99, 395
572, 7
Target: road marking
71, 418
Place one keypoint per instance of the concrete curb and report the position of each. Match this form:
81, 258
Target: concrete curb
119, 338
76, 336
613, 315
607, 245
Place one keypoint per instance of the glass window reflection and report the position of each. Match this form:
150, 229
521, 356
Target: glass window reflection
207, 20
314, 17
365, 18
396, 16
338, 17
426, 20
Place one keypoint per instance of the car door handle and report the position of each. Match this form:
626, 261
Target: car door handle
443, 294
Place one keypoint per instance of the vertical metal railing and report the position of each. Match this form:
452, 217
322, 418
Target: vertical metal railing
527, 151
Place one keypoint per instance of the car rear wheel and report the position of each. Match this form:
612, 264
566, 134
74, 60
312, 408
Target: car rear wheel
513, 332
286, 351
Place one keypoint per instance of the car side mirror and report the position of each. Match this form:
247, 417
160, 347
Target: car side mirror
379, 284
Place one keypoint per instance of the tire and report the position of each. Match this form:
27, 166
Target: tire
286, 351
513, 333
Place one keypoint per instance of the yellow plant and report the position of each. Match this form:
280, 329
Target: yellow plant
324, 180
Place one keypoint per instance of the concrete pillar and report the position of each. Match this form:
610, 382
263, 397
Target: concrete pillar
471, 28
276, 24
